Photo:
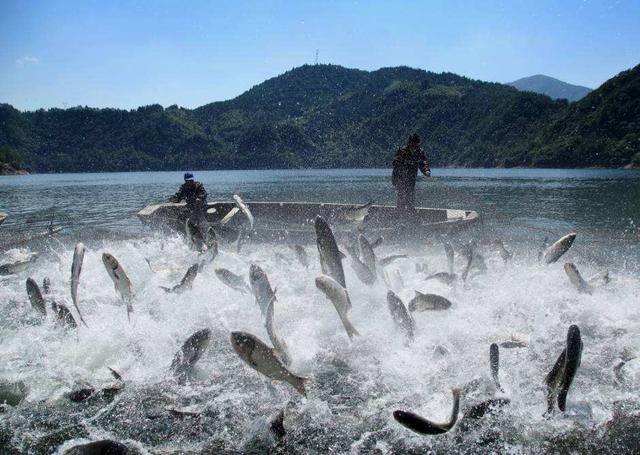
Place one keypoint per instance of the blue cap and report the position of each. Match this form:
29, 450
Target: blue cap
188, 176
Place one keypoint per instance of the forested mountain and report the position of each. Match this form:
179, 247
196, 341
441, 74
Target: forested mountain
602, 129
551, 87
330, 116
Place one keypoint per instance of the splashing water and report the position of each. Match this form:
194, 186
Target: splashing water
355, 386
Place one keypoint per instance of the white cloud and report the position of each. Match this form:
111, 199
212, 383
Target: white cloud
27, 60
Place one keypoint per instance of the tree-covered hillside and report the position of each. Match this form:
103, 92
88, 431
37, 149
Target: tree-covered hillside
330, 116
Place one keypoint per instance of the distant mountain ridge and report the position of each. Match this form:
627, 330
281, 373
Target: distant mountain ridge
552, 87
328, 116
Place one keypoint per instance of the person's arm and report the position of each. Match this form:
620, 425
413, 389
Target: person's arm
178, 196
424, 164
201, 193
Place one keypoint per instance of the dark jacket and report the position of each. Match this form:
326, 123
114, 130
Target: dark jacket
191, 191
409, 159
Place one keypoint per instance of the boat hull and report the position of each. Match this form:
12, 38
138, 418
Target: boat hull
294, 221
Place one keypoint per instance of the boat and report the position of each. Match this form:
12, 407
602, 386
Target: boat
294, 221
3, 216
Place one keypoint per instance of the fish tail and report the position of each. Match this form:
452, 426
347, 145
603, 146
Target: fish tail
351, 330
301, 386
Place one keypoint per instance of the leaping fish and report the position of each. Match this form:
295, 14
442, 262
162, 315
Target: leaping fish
265, 360
401, 317
261, 288
232, 280
120, 280
330, 256
423, 426
340, 299
555, 251
190, 352
494, 364
576, 279
35, 296
76, 268
186, 282
301, 255
245, 210
278, 343
428, 302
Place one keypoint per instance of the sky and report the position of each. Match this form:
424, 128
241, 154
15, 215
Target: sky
128, 54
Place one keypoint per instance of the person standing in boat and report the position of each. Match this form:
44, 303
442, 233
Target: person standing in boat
409, 159
194, 193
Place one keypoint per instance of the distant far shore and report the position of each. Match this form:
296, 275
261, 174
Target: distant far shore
7, 169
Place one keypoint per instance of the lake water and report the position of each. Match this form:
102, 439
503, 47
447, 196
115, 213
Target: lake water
355, 386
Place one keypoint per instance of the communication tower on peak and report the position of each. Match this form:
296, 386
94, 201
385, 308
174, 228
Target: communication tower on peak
317, 53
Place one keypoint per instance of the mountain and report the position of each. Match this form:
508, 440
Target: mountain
602, 129
551, 87
326, 116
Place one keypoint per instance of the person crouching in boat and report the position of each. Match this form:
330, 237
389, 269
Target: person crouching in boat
409, 159
194, 193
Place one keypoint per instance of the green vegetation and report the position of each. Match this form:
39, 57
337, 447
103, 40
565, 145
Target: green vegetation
330, 116
10, 156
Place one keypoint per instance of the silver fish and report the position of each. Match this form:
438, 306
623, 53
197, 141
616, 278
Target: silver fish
301, 255
423, 426
572, 362
555, 251
368, 256
401, 317
559, 379
352, 214
265, 360
428, 302
63, 315
189, 354
504, 254
576, 279
494, 365
245, 210
17, 267
46, 285
261, 288
35, 296
340, 299
76, 268
448, 249
120, 280
278, 343
330, 256
363, 272
232, 280
187, 280
443, 277
194, 235
389, 259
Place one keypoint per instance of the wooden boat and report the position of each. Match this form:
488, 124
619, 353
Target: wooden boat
294, 221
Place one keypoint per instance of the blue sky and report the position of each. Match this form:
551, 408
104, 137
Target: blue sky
127, 54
